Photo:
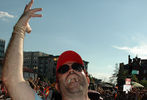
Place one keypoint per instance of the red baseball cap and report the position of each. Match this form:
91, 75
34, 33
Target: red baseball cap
66, 57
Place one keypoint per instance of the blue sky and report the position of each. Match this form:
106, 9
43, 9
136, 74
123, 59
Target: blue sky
103, 32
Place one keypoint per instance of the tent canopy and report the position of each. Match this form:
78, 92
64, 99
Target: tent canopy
135, 84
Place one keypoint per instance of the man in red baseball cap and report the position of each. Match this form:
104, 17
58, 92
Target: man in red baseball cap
72, 79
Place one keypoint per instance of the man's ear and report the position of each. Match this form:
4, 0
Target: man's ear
87, 76
57, 87
88, 79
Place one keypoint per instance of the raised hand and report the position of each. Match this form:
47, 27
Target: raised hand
27, 14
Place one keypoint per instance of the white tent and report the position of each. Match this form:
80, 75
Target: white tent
135, 84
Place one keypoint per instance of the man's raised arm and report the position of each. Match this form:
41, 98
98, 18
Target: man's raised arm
12, 74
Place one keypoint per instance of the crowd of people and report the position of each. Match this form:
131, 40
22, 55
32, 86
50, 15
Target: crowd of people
47, 90
114, 94
3, 91
42, 88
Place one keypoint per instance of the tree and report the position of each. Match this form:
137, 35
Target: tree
134, 78
113, 78
121, 76
144, 83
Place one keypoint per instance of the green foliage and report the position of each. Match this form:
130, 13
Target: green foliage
123, 74
113, 78
134, 78
144, 83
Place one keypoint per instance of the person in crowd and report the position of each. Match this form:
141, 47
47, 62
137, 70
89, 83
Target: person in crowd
31, 83
71, 78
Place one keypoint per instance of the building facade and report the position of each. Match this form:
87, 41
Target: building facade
2, 48
47, 67
143, 69
31, 61
137, 67
2, 52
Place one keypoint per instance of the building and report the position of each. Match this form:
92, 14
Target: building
143, 70
136, 67
2, 49
86, 65
31, 60
27, 73
47, 67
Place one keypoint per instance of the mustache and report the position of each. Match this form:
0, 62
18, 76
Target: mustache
72, 74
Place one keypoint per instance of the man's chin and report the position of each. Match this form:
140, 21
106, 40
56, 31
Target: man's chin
74, 90
74, 87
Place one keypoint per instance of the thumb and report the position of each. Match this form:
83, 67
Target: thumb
28, 28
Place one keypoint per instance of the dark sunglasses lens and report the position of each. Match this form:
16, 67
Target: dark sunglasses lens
77, 67
63, 69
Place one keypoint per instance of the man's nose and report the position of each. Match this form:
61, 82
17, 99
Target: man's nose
70, 70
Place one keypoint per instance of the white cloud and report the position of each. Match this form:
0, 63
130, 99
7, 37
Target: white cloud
110, 66
140, 50
5, 15
103, 76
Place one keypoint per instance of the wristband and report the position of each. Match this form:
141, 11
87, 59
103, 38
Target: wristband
19, 30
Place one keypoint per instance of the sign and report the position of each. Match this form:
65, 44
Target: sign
126, 88
135, 72
128, 81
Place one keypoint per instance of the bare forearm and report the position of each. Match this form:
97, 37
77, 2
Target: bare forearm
13, 63
13, 68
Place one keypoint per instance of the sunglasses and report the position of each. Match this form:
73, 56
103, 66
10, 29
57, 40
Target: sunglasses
75, 66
